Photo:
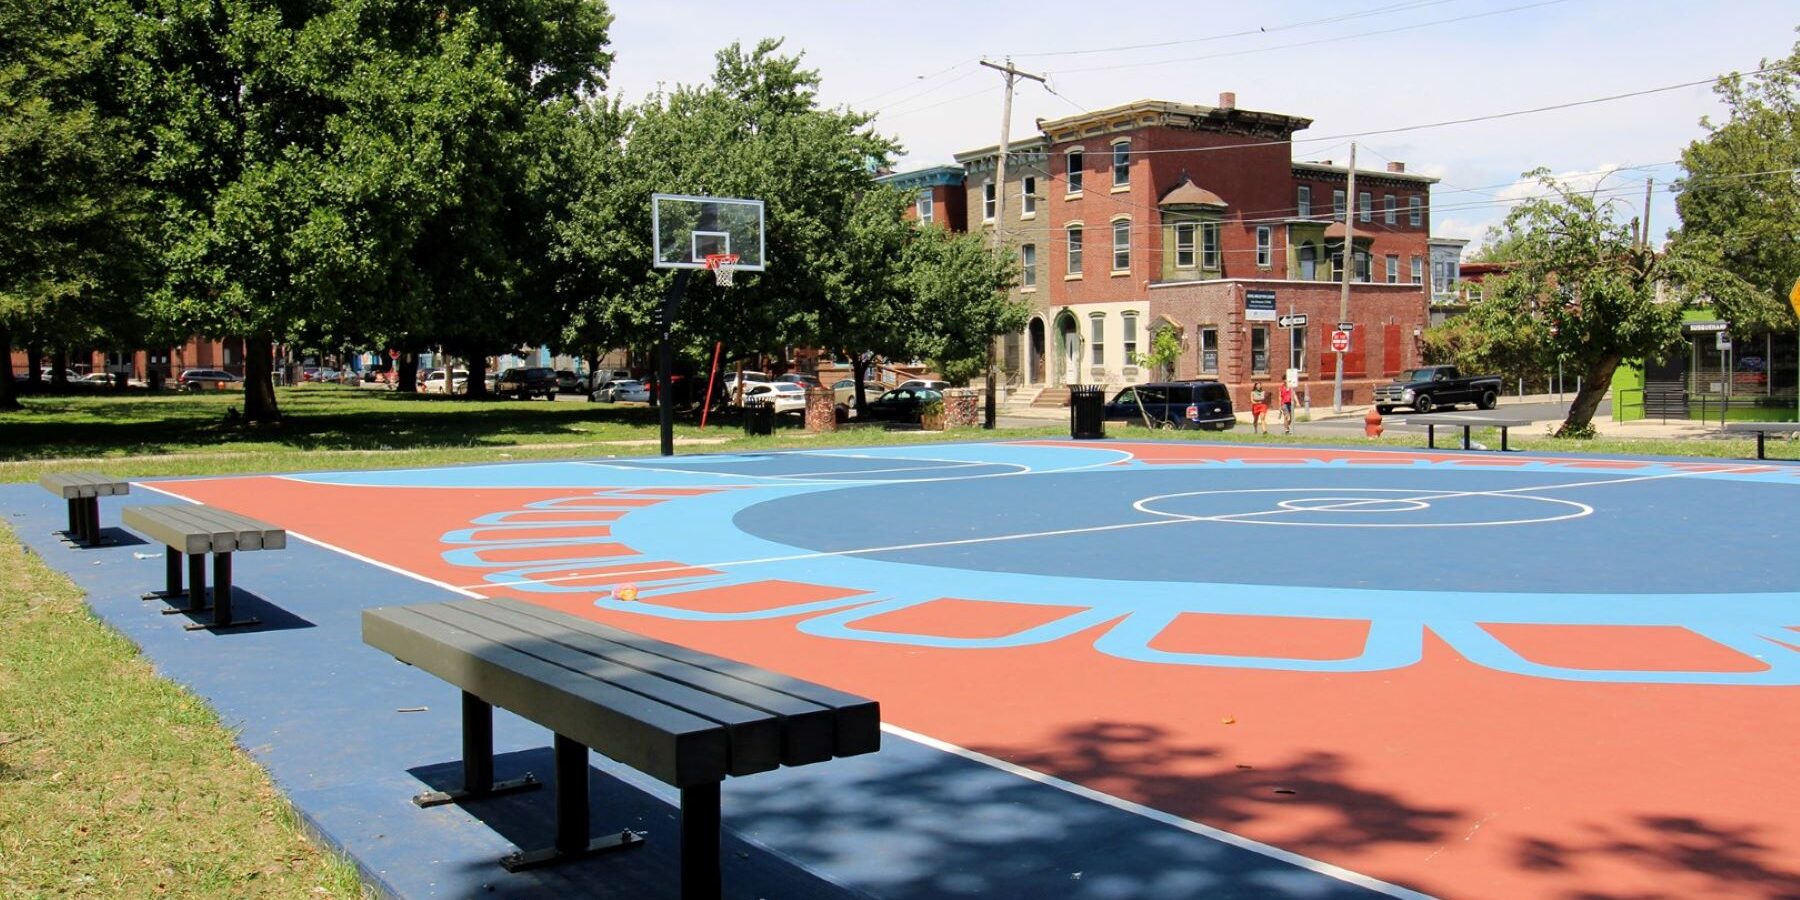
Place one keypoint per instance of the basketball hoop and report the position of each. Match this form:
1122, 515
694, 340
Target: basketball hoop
722, 266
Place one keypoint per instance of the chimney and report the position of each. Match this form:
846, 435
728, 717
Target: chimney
1396, 167
1227, 100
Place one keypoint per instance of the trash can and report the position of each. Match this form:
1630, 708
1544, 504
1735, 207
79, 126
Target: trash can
1087, 412
759, 417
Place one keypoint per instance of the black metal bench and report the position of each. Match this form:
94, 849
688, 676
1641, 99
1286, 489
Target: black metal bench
1763, 430
195, 531
83, 490
1465, 423
686, 718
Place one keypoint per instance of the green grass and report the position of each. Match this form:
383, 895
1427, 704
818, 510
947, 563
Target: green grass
117, 783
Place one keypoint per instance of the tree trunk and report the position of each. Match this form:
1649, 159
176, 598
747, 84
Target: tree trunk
477, 388
122, 379
859, 370
1594, 385
259, 385
34, 370
9, 388
408, 381
59, 370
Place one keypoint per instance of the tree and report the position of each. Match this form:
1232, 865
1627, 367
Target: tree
1584, 286
1165, 351
1740, 200
960, 302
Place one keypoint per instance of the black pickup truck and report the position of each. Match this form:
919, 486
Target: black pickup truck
1434, 387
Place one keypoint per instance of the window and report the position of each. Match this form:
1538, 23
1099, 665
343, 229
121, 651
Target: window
1362, 265
1209, 249
1297, 347
1097, 339
1259, 350
1264, 243
1028, 265
1072, 170
1415, 211
923, 205
1121, 261
1393, 269
1418, 270
1391, 211
1121, 164
1309, 262
1209, 349
1337, 204
1028, 196
1130, 326
1074, 245
1303, 205
1184, 245
1365, 206
987, 202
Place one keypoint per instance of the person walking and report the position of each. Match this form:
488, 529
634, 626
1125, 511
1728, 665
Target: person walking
1259, 408
1286, 394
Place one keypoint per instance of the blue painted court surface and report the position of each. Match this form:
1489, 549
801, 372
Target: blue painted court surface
1314, 601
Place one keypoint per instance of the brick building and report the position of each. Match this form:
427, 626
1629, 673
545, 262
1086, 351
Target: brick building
1167, 215
194, 353
938, 195
1025, 231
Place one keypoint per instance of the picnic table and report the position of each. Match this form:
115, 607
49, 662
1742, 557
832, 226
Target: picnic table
687, 718
1466, 423
1763, 429
83, 491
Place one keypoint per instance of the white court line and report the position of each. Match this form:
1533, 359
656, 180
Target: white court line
1156, 815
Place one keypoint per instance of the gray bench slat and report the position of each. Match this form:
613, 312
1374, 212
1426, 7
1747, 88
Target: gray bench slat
755, 736
200, 529
79, 485
856, 720
246, 533
1770, 427
673, 746
1460, 421
167, 526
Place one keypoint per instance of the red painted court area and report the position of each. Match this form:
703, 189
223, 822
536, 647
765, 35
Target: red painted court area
1445, 776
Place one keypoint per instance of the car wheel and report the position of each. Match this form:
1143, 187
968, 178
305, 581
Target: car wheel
1165, 425
1488, 400
1423, 404
1384, 410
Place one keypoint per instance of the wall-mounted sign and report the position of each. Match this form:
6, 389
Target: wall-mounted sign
1259, 306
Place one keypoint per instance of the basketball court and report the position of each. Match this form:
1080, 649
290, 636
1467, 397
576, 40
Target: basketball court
1106, 668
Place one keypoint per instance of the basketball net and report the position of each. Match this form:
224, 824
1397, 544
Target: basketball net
723, 265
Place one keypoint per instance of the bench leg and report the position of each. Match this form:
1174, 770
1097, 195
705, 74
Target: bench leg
1503, 447
1430, 436
1465, 437
171, 577
1759, 445
74, 518
700, 876
572, 817
196, 592
90, 508
221, 596
478, 759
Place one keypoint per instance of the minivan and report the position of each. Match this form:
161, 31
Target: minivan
1174, 404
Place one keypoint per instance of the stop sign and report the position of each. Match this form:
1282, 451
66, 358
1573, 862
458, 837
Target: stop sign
1340, 341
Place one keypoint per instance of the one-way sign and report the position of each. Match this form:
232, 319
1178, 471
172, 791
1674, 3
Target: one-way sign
1298, 321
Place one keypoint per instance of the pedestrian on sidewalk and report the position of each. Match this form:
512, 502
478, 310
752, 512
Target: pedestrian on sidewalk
1259, 408
1287, 407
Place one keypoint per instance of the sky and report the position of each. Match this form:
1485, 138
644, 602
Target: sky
1355, 67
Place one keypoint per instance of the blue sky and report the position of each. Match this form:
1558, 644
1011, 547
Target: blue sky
915, 65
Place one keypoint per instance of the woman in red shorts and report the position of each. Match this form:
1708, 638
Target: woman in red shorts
1259, 408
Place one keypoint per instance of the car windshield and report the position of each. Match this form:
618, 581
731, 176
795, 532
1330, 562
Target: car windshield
788, 387
1415, 375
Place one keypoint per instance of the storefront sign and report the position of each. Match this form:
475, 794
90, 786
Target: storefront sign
1259, 306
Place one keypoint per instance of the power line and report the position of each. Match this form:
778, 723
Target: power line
1249, 32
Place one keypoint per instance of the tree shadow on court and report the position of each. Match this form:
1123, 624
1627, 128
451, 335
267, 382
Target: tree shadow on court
1728, 860
916, 823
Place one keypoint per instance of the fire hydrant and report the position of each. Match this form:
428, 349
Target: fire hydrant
1372, 423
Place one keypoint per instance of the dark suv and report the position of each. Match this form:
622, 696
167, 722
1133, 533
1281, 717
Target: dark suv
523, 384
1174, 404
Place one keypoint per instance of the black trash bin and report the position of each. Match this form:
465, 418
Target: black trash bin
759, 417
1087, 412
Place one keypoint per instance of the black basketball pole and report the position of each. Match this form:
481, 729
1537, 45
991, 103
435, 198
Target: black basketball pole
666, 353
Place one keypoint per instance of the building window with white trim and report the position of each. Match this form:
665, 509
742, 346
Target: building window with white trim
1028, 197
1259, 350
1361, 258
1028, 266
1297, 347
1121, 261
1337, 204
1184, 244
1393, 269
1415, 211
924, 205
1209, 246
1303, 203
1129, 324
1072, 169
1121, 164
1418, 270
1097, 338
1391, 212
987, 201
1074, 245
1365, 206
1265, 245
1209, 350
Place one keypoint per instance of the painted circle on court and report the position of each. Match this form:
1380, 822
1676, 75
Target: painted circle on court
1342, 507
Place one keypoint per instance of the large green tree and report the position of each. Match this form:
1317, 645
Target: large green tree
1740, 200
961, 302
1593, 294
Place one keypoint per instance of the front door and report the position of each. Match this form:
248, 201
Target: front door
1034, 366
1071, 348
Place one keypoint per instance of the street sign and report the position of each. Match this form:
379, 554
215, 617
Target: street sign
1340, 341
1298, 321
1346, 326
1721, 340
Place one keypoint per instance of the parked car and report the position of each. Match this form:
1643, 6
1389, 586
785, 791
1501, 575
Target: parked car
434, 382
787, 396
196, 379
1433, 387
730, 379
800, 378
568, 382
524, 383
1174, 404
902, 404
599, 377
623, 390
930, 384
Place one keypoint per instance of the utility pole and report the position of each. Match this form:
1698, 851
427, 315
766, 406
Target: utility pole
1337, 385
1012, 75
1649, 185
